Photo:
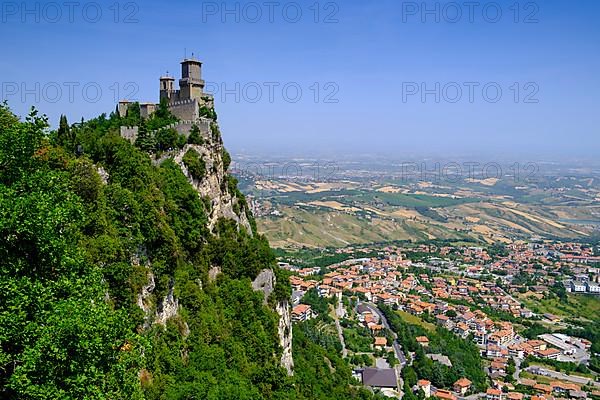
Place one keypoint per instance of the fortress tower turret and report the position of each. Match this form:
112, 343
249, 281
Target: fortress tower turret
167, 90
191, 85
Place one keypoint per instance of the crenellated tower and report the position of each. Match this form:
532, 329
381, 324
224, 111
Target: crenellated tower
191, 85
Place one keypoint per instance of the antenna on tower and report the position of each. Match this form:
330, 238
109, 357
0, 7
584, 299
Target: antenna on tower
185, 52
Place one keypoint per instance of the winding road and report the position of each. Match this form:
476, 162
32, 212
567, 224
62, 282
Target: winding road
397, 348
339, 312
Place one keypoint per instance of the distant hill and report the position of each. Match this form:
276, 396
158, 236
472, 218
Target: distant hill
340, 213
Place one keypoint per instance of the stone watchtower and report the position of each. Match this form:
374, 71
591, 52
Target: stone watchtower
189, 103
191, 85
167, 89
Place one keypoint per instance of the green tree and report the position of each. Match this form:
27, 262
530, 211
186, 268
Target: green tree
18, 142
226, 160
166, 139
63, 134
408, 393
409, 375
195, 164
195, 136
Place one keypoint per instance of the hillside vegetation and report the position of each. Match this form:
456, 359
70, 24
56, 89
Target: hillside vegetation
109, 280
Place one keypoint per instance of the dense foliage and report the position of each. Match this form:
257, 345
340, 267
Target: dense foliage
194, 163
59, 337
89, 222
320, 370
463, 354
319, 304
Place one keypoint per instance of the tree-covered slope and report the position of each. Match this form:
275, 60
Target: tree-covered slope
117, 279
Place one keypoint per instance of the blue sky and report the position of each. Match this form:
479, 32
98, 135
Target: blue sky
361, 68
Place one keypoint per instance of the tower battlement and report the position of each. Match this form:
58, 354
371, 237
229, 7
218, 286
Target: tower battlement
182, 102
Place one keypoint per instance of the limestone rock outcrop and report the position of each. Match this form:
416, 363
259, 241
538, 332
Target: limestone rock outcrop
265, 282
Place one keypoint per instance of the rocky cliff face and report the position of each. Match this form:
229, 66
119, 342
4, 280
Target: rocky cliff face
285, 335
144, 300
167, 308
214, 188
265, 282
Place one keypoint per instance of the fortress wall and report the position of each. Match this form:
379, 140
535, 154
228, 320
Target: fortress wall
185, 110
130, 133
184, 127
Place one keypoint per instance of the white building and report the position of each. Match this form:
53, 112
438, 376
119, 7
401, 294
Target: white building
578, 287
593, 287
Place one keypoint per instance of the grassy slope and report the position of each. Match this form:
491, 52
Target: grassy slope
413, 319
321, 226
579, 306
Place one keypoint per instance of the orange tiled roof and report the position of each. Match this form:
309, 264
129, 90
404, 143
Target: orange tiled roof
463, 382
444, 395
300, 308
